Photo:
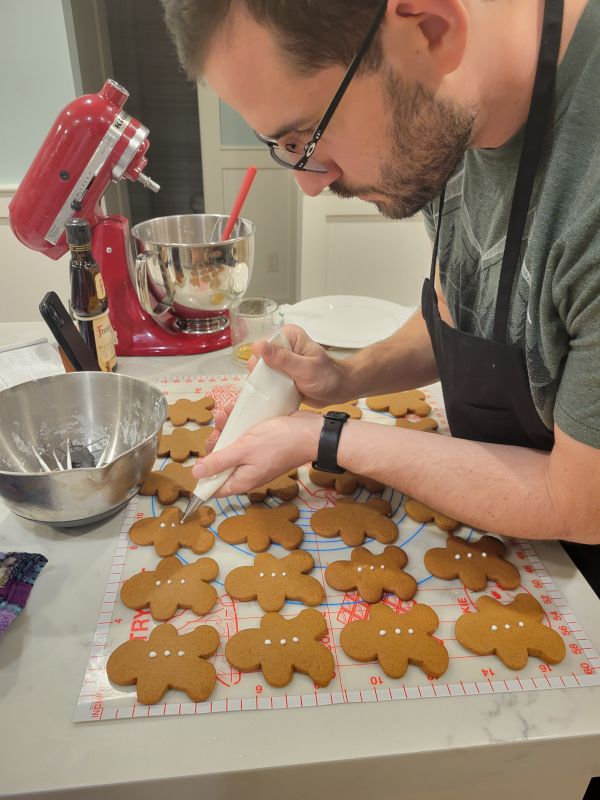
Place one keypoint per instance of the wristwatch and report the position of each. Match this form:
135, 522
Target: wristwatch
333, 422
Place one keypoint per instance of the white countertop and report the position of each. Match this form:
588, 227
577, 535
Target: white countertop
543, 743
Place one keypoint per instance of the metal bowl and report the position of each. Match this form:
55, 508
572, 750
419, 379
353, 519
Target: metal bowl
185, 276
101, 418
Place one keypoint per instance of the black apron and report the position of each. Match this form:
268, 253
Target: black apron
485, 383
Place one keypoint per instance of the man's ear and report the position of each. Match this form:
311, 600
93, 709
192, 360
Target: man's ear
425, 39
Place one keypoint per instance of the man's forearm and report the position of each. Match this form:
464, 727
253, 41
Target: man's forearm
403, 361
496, 488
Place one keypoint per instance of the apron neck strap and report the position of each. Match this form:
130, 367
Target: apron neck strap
542, 103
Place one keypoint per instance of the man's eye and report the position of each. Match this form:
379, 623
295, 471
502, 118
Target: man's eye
295, 143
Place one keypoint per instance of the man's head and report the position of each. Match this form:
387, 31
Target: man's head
406, 119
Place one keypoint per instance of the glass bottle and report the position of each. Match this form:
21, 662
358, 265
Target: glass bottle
89, 304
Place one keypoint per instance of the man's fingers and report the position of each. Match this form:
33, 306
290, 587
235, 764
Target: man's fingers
252, 362
215, 463
209, 444
220, 419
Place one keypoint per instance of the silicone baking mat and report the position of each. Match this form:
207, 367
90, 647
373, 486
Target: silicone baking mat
354, 682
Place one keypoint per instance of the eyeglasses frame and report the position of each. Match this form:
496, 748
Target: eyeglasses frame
311, 145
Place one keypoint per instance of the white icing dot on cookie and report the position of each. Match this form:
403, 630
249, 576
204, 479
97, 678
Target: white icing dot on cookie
182, 580
371, 567
162, 525
181, 653
273, 574
267, 641
157, 583
521, 624
172, 524
283, 574
169, 581
295, 639
382, 633
484, 555
167, 653
494, 627
507, 627
469, 555
152, 653
410, 630
457, 556
283, 641
359, 569
261, 574
397, 630
382, 566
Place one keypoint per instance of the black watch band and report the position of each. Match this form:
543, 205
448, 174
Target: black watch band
333, 422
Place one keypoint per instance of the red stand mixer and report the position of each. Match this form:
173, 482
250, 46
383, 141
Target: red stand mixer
173, 298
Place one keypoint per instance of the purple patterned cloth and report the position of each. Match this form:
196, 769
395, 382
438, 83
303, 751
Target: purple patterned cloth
18, 572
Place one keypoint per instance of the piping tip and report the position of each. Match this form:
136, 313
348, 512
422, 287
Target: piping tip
194, 504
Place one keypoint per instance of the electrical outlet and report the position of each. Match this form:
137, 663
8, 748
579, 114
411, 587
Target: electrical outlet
273, 262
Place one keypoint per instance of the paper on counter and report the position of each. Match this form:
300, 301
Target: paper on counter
26, 361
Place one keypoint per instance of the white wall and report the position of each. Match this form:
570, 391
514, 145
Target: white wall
36, 81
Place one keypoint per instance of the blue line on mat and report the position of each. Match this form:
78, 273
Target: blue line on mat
410, 538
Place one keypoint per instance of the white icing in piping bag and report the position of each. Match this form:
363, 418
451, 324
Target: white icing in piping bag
266, 394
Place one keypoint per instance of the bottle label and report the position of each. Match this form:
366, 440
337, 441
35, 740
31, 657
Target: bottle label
105, 342
100, 288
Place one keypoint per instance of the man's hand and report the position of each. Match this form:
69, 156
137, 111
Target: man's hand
263, 453
320, 379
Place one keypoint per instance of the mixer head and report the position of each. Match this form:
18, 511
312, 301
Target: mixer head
91, 143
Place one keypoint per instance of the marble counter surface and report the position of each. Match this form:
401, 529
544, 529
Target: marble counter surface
542, 744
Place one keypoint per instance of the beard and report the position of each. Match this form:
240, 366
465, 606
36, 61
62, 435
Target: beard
426, 140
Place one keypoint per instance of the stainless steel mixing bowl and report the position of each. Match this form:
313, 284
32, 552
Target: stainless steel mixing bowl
185, 277
93, 414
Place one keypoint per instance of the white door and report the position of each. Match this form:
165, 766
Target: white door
347, 247
228, 148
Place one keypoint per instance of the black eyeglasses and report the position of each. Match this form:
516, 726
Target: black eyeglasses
289, 157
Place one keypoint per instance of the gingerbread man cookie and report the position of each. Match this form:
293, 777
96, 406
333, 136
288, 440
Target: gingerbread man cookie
344, 483
474, 563
166, 661
199, 411
285, 487
399, 404
183, 443
281, 647
397, 640
350, 408
354, 521
168, 534
271, 581
261, 526
373, 575
513, 632
170, 483
422, 513
427, 424
173, 585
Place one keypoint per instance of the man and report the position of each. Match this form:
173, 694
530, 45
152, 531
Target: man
443, 101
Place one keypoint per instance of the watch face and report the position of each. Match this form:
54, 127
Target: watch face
338, 415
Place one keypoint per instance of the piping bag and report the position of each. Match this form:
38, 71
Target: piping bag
266, 394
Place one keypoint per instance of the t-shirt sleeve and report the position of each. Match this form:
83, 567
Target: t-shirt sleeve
576, 292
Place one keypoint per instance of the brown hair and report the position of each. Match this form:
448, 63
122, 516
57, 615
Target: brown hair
312, 34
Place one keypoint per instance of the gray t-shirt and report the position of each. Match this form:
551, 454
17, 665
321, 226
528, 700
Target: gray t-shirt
555, 306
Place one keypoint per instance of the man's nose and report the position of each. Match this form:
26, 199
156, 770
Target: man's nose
313, 183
